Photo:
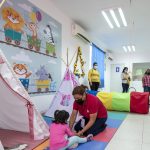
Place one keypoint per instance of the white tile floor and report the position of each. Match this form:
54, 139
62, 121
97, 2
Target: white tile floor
133, 134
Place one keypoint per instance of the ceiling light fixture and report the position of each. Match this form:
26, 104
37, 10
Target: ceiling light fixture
129, 48
114, 17
125, 49
133, 48
122, 17
107, 19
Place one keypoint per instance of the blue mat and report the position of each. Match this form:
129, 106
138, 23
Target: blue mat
117, 115
93, 145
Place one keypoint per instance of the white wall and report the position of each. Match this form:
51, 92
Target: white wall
128, 59
107, 75
68, 41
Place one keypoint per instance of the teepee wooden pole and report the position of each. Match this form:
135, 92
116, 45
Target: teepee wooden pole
63, 61
73, 56
3, 1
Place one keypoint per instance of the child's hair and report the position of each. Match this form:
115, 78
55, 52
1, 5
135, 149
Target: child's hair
61, 116
79, 90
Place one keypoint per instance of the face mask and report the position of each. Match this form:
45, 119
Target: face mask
95, 67
80, 101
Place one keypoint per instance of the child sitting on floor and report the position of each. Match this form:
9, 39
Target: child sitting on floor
61, 137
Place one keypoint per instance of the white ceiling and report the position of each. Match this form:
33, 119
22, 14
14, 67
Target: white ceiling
87, 13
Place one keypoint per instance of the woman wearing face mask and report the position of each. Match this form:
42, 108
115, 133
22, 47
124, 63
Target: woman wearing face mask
91, 108
125, 80
94, 77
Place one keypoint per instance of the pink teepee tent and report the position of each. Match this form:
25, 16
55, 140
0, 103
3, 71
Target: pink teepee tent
63, 100
16, 109
1, 146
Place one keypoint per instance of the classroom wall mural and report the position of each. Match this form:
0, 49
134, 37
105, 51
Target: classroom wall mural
31, 41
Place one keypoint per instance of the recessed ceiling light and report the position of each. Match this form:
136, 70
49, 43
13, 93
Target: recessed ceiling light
114, 17
107, 19
129, 48
125, 49
122, 17
107, 13
133, 48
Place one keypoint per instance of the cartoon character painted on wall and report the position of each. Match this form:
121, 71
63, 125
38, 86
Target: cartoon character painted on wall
13, 26
44, 79
22, 73
65, 101
50, 45
33, 40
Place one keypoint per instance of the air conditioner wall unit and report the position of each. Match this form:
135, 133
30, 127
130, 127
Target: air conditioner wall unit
80, 32
109, 56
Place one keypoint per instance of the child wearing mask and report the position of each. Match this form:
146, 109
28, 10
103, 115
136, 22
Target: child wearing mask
94, 77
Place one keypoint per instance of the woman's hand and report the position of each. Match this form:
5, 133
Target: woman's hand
80, 133
72, 118
90, 123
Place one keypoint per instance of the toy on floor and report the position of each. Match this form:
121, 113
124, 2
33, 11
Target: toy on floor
136, 102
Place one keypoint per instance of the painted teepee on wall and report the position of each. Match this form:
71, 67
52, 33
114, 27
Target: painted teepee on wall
17, 112
63, 100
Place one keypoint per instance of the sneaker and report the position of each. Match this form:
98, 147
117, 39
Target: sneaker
89, 137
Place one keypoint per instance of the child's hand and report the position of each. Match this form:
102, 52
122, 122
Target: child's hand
75, 133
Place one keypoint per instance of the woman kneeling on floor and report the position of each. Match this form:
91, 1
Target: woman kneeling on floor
93, 111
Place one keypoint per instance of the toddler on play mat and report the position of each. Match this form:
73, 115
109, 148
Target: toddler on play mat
61, 137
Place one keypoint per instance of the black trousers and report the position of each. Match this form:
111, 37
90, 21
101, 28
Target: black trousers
125, 87
97, 127
94, 86
146, 89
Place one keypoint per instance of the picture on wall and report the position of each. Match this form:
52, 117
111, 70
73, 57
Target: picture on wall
139, 70
31, 41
